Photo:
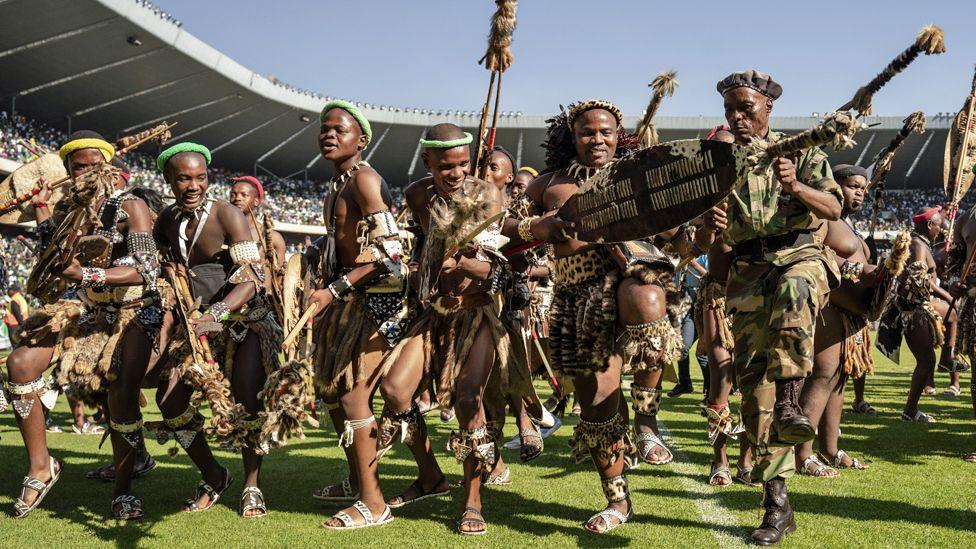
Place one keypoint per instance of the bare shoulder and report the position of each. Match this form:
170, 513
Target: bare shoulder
365, 179
417, 193
537, 187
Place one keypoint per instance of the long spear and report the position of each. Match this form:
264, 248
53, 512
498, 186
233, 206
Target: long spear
497, 59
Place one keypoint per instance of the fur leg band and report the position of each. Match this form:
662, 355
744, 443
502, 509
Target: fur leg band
608, 438
647, 401
615, 488
477, 442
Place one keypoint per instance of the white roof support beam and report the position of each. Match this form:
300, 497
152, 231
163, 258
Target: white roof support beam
252, 130
376, 146
220, 120
57, 37
133, 95
182, 111
90, 72
291, 138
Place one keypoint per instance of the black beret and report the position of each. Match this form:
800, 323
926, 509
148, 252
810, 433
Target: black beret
759, 81
842, 171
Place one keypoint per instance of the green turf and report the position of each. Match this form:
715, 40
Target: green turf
917, 492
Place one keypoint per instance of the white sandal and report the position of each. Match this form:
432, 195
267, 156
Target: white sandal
21, 508
819, 468
645, 450
919, 417
348, 523
606, 514
323, 494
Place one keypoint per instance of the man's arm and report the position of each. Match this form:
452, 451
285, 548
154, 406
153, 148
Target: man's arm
239, 233
15, 311
143, 264
823, 196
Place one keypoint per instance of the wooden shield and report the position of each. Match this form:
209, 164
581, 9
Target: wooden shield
24, 179
654, 190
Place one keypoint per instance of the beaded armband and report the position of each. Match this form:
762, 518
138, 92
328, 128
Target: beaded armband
144, 256
250, 266
380, 242
219, 311
93, 277
851, 270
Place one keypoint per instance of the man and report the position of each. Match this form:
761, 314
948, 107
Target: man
501, 169
843, 340
210, 240
17, 312
714, 326
523, 177
609, 313
105, 340
247, 193
460, 340
689, 281
918, 312
366, 309
778, 282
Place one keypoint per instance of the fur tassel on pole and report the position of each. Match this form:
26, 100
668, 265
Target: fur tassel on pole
499, 55
837, 130
914, 123
497, 59
663, 86
930, 40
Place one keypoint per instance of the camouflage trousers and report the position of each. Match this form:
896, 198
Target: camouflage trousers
774, 311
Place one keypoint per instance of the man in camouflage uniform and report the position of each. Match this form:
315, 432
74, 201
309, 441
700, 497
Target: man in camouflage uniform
778, 283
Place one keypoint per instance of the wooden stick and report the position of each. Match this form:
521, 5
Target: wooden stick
308, 314
479, 151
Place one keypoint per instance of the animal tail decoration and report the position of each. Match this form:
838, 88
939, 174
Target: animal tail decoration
836, 130
287, 395
914, 123
930, 40
497, 59
663, 86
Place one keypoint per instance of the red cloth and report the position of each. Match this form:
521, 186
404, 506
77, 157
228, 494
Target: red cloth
926, 214
253, 181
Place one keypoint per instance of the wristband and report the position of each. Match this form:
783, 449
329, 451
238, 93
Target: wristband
39, 204
93, 277
525, 229
219, 311
340, 287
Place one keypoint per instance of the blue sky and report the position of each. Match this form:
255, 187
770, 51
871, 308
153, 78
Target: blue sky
423, 53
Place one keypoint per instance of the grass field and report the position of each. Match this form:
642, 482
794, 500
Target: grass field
918, 492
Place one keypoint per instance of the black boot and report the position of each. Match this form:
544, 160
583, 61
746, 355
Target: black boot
778, 519
789, 423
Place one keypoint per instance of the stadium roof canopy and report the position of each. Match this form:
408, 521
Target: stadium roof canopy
119, 66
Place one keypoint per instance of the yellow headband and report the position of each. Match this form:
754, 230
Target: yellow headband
106, 148
530, 170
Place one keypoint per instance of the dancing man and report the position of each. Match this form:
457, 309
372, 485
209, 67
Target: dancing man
104, 338
460, 340
609, 312
211, 242
777, 284
365, 304
918, 311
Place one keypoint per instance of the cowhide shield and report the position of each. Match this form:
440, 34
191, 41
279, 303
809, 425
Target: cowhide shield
654, 190
23, 180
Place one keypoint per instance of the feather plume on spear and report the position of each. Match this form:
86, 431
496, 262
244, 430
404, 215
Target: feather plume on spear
663, 86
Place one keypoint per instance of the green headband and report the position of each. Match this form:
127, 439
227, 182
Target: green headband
186, 146
353, 111
435, 144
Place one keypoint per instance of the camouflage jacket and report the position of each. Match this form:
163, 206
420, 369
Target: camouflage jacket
762, 209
